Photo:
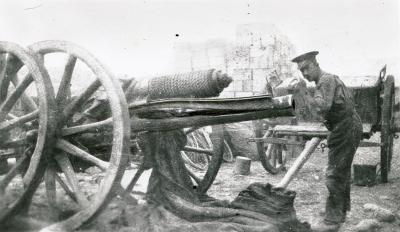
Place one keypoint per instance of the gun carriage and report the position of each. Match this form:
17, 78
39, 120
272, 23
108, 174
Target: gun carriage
41, 141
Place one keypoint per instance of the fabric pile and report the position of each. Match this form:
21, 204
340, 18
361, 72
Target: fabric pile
175, 205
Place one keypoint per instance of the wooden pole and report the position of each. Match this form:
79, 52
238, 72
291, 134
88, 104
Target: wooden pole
299, 162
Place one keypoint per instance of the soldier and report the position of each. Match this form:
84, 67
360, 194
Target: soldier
334, 104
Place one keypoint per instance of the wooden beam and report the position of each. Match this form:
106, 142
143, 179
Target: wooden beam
276, 141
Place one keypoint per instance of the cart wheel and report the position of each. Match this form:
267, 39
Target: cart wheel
72, 203
204, 180
26, 125
198, 149
228, 155
274, 157
387, 127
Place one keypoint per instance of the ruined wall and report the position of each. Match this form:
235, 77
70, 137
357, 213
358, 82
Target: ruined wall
258, 52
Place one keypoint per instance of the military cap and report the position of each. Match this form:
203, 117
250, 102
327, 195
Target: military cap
305, 56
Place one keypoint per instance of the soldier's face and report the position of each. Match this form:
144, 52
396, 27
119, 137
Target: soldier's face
309, 70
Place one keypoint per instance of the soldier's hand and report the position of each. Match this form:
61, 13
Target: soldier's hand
298, 86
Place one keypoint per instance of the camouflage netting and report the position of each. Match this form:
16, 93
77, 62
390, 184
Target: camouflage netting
175, 205
197, 84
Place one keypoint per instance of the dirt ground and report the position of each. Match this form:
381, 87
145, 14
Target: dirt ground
311, 191
309, 185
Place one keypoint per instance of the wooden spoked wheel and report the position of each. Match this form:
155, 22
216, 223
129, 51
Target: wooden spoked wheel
26, 128
204, 181
65, 193
272, 156
198, 149
387, 124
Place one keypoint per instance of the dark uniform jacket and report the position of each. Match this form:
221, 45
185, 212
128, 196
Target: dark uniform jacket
335, 105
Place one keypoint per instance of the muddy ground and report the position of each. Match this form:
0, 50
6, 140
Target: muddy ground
309, 185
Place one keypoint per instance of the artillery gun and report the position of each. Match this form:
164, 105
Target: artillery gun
52, 126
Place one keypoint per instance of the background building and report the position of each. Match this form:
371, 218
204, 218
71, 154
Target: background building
259, 52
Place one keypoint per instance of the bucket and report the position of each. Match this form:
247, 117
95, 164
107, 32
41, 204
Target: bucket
364, 174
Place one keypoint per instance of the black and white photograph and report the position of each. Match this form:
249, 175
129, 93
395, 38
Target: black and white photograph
199, 116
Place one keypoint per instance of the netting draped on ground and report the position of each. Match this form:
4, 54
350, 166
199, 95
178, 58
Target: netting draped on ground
175, 205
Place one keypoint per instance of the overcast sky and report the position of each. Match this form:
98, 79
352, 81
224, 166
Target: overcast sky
136, 37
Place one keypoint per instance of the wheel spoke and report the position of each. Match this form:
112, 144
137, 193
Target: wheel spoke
73, 106
199, 150
66, 166
51, 191
280, 154
64, 90
9, 69
66, 188
134, 180
13, 143
27, 101
90, 127
4, 83
69, 148
11, 116
76, 151
11, 174
15, 122
188, 161
6, 107
273, 158
269, 152
194, 177
190, 130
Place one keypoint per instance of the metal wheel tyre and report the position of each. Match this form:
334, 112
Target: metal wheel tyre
26, 128
273, 157
228, 155
77, 130
205, 181
387, 127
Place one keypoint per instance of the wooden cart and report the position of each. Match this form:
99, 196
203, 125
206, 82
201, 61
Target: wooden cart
375, 102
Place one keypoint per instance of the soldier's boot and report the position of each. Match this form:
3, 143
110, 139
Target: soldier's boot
323, 226
322, 214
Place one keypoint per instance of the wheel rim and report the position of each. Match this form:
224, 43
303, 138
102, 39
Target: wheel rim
387, 126
204, 182
120, 133
44, 126
228, 155
273, 153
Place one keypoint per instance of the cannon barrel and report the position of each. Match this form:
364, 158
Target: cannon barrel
180, 107
181, 113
